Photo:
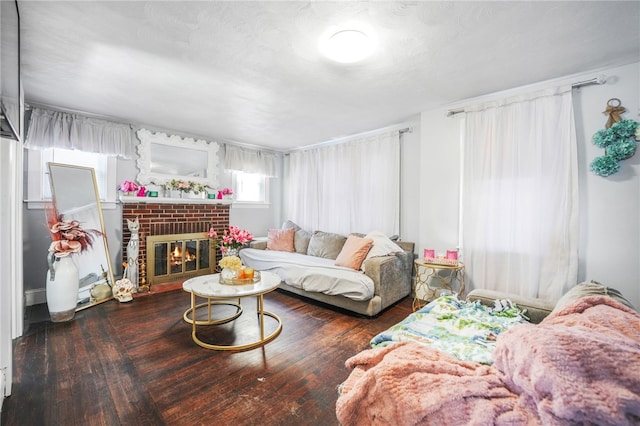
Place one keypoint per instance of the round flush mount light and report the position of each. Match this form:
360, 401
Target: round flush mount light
346, 45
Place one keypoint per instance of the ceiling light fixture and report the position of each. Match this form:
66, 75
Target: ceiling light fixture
346, 45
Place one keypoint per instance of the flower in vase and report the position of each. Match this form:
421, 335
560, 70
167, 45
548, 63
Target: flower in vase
68, 237
233, 238
231, 262
129, 186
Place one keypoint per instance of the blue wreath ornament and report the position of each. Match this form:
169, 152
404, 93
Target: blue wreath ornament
624, 129
622, 149
603, 138
604, 166
618, 140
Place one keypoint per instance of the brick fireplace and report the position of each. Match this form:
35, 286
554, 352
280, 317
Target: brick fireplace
166, 216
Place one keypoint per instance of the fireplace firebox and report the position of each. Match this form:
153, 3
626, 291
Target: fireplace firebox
179, 257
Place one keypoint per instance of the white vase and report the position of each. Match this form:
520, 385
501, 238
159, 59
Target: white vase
230, 251
62, 290
228, 273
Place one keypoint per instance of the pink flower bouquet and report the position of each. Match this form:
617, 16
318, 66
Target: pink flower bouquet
129, 186
233, 238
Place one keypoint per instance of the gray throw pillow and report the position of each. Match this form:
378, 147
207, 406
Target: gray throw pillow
326, 244
301, 238
590, 288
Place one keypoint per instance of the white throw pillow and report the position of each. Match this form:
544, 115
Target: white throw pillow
382, 246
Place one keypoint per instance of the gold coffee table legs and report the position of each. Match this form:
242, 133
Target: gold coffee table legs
208, 304
261, 314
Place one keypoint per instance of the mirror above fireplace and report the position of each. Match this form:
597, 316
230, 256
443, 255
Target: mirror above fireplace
162, 158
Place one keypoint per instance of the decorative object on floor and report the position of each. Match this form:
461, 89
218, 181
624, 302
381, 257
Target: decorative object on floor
231, 240
100, 291
62, 289
618, 140
132, 252
123, 290
68, 238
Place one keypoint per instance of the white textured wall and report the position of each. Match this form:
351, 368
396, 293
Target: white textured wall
609, 207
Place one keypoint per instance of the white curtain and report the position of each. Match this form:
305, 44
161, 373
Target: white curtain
250, 161
347, 187
520, 195
55, 129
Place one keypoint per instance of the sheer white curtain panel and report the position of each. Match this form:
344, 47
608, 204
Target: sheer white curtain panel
520, 195
55, 129
347, 187
250, 161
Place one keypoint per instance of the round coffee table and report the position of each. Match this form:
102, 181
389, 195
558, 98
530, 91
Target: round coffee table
208, 287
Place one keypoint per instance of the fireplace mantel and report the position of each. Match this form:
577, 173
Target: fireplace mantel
126, 199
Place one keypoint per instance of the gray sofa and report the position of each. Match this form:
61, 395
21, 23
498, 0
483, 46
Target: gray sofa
391, 276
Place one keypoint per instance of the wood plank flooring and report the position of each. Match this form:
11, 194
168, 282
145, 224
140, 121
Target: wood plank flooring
135, 364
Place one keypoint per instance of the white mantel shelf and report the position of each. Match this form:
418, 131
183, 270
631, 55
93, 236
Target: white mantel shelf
165, 200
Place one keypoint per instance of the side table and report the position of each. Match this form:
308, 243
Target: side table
431, 277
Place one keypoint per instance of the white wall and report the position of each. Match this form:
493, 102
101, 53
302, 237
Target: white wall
609, 207
11, 307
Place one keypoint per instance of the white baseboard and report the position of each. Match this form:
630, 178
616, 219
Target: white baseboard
2, 387
35, 296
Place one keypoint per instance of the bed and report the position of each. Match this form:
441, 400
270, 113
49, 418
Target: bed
455, 362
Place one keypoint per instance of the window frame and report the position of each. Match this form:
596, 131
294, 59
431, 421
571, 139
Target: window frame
36, 168
250, 204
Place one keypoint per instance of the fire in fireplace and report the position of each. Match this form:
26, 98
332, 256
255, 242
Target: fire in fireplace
178, 257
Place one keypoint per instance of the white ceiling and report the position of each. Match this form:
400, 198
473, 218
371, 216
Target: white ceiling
250, 72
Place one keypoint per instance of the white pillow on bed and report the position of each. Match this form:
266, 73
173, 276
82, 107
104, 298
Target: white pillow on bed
382, 246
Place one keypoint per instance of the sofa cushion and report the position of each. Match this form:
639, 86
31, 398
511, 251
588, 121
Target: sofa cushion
382, 245
353, 252
281, 239
301, 238
591, 288
326, 244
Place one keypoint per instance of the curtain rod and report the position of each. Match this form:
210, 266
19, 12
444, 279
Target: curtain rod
601, 79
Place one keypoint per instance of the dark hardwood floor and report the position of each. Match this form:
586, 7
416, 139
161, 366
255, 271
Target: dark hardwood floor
135, 364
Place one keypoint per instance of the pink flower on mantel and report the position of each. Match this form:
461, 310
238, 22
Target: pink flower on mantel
128, 186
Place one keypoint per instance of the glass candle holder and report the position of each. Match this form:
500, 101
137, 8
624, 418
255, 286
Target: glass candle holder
429, 253
452, 254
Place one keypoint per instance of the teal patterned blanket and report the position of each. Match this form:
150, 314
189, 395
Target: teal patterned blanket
466, 330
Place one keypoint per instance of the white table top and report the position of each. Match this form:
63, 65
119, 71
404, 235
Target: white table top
209, 286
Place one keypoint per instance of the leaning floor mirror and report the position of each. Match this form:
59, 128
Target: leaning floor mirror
76, 201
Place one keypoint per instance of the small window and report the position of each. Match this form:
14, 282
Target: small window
77, 158
250, 188
38, 186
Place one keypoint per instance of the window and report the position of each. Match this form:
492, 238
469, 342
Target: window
250, 188
39, 188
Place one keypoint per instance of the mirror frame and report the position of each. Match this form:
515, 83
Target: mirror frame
146, 176
109, 271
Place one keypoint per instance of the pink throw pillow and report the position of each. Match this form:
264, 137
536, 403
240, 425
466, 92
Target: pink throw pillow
353, 252
281, 239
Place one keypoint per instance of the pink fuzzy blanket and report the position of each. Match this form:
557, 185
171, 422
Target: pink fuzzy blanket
581, 365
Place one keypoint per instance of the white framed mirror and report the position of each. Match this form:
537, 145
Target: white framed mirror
162, 158
75, 197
